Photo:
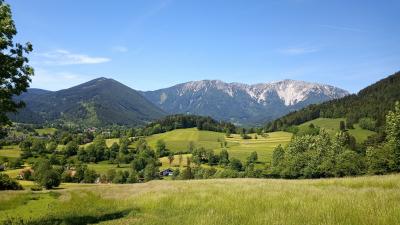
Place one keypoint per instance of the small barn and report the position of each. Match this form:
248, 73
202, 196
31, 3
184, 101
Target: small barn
166, 172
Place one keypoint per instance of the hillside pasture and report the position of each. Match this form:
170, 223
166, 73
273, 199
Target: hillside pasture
332, 127
103, 167
10, 151
178, 141
46, 131
241, 148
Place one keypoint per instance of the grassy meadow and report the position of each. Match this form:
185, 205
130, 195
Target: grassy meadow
46, 131
10, 151
361, 200
178, 140
264, 146
103, 167
332, 126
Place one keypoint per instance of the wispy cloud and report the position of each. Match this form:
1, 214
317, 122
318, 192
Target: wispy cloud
119, 48
343, 28
64, 57
56, 80
298, 50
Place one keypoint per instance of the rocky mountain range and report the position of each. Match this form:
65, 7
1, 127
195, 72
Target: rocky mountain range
242, 103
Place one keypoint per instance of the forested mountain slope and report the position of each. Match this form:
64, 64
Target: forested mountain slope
373, 102
98, 102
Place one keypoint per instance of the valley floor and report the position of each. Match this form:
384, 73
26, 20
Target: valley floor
360, 200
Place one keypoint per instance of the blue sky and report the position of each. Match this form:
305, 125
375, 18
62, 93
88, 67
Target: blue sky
154, 44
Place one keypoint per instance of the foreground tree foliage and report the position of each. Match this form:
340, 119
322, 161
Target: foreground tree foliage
317, 156
15, 73
393, 133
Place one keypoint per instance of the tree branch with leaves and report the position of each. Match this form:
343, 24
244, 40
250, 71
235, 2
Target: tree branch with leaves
15, 73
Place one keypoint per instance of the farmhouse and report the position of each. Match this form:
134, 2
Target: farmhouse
167, 172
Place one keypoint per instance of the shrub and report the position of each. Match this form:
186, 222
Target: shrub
7, 183
367, 123
235, 164
45, 175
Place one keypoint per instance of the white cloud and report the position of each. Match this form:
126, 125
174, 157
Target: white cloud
120, 49
56, 80
64, 57
297, 51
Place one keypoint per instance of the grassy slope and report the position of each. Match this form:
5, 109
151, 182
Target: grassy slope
241, 149
103, 167
178, 140
332, 126
109, 142
362, 200
10, 151
45, 131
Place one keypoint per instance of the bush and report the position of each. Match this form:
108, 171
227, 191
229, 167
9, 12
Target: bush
380, 160
45, 175
50, 179
367, 123
349, 163
7, 183
235, 164
89, 176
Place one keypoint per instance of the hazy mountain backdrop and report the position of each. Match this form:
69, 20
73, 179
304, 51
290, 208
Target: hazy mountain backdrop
105, 101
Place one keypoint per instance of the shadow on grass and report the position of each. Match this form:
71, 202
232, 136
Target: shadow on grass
74, 220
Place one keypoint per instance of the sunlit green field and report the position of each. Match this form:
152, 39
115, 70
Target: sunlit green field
45, 131
264, 146
109, 142
178, 140
175, 163
363, 200
332, 126
10, 151
103, 167
13, 173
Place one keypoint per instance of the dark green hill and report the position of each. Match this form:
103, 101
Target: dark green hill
95, 103
373, 101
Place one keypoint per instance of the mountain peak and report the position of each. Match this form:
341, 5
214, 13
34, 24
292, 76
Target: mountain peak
101, 101
103, 79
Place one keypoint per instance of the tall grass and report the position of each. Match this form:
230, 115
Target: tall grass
251, 201
363, 200
77, 208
